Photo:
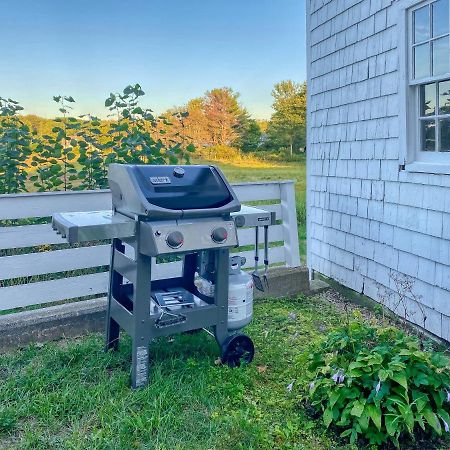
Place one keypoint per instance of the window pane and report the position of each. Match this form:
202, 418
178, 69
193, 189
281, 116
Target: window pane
441, 56
422, 61
444, 130
444, 97
421, 24
428, 135
440, 17
427, 99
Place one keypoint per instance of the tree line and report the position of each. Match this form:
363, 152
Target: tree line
219, 119
73, 152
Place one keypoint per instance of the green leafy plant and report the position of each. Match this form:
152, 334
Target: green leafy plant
377, 383
76, 153
15, 147
136, 134
55, 155
93, 162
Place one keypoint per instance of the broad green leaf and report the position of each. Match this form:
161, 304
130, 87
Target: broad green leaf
374, 413
357, 365
363, 420
400, 378
391, 422
420, 399
421, 378
327, 417
440, 360
444, 415
334, 397
358, 408
432, 420
110, 100
407, 416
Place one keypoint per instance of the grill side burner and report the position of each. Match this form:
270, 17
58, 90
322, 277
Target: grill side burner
163, 211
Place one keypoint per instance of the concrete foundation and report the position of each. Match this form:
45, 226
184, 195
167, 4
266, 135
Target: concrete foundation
76, 319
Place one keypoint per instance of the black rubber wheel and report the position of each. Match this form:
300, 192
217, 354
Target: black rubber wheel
237, 349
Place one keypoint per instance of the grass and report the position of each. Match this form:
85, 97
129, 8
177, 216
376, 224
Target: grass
71, 395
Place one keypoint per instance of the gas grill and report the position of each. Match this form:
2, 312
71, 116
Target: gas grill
167, 212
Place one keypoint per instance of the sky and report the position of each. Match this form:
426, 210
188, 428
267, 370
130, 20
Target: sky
176, 50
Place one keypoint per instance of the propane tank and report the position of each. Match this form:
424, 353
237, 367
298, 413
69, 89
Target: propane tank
240, 293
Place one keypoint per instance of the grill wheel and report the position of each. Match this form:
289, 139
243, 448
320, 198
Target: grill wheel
237, 349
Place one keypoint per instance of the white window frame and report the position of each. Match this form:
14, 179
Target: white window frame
411, 156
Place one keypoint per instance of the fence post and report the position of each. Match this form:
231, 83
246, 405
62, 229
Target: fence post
290, 230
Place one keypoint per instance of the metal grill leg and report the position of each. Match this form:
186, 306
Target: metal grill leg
141, 313
221, 295
115, 281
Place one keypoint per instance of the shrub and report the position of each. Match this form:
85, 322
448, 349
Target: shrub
220, 153
378, 384
15, 141
231, 155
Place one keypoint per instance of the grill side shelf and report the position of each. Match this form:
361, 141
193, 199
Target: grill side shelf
97, 225
92, 226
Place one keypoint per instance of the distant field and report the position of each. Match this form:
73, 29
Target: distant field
279, 171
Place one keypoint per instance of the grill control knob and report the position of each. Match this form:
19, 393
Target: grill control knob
175, 239
219, 235
178, 172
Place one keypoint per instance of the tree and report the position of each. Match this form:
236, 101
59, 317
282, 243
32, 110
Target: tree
222, 113
287, 125
197, 123
249, 134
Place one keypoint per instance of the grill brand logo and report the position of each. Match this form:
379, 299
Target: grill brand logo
160, 180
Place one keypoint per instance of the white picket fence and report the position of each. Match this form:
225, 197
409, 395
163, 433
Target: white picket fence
29, 249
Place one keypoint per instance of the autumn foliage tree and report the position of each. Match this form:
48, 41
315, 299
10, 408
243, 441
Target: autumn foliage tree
223, 112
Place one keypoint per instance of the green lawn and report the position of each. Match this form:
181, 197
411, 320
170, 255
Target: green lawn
71, 395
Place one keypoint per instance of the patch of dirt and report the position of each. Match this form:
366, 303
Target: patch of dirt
345, 305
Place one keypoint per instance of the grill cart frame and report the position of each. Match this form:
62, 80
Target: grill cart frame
129, 304
202, 236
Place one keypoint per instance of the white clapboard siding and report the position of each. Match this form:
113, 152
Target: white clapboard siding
49, 261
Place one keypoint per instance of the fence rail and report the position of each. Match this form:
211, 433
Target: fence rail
37, 267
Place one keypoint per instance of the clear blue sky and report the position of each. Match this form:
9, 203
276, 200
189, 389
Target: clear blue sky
175, 49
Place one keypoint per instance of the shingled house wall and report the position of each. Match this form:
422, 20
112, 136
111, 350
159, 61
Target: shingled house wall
368, 219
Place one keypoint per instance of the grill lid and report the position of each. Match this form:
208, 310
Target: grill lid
159, 191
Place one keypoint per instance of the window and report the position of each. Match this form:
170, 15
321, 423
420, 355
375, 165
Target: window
429, 80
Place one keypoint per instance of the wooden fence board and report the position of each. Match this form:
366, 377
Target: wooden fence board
20, 206
73, 287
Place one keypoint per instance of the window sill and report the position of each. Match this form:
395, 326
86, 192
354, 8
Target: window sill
431, 168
